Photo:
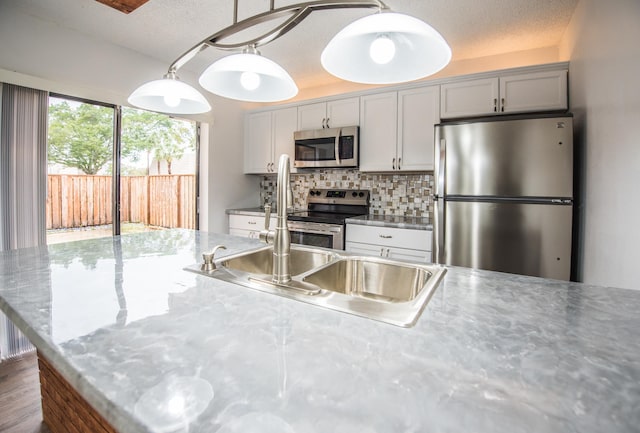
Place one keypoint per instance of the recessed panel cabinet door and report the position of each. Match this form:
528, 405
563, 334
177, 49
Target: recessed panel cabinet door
330, 114
418, 112
312, 116
539, 91
269, 134
284, 122
343, 112
469, 98
378, 131
258, 152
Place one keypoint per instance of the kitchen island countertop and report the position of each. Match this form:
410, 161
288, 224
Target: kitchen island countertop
124, 324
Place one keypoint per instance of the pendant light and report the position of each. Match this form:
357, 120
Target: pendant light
249, 77
383, 48
169, 95
386, 48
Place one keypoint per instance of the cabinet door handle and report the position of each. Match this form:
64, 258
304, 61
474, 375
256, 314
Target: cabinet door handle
328, 126
324, 123
495, 105
386, 236
251, 222
381, 252
399, 159
387, 255
393, 163
502, 103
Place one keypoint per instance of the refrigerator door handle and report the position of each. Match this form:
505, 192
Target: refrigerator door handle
439, 166
437, 222
438, 198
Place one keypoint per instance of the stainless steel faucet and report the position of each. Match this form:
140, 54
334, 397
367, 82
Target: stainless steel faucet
280, 238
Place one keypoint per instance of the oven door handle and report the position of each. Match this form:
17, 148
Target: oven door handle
322, 228
337, 145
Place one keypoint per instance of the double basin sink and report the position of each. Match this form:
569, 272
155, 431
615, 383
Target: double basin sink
390, 291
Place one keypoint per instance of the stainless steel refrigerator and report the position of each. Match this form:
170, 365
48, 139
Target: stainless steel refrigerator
504, 195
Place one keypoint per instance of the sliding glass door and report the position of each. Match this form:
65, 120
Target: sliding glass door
114, 170
80, 170
158, 171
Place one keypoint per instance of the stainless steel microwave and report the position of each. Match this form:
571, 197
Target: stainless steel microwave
329, 147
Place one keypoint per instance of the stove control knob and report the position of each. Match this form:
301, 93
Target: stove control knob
361, 194
354, 194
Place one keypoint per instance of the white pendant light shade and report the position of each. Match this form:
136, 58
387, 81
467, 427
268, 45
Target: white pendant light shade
386, 48
248, 77
169, 95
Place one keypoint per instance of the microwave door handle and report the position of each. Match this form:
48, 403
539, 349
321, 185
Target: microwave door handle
337, 145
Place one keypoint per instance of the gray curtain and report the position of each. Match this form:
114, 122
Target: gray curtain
23, 184
23, 167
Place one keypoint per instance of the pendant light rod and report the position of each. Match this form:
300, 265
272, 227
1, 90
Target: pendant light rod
297, 11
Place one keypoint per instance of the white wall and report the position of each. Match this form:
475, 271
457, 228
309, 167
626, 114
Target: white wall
226, 183
36, 53
602, 43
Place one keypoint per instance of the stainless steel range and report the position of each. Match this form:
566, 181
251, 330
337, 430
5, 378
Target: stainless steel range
323, 223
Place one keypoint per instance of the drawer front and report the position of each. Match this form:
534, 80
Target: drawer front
421, 256
247, 222
407, 254
390, 237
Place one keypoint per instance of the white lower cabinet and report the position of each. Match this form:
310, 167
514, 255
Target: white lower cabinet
249, 226
389, 242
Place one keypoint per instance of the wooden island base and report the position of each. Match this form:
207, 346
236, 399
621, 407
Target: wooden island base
63, 409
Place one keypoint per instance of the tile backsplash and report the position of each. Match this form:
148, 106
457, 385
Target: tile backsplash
392, 194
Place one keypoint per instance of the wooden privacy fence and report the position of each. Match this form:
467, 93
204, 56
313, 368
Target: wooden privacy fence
83, 200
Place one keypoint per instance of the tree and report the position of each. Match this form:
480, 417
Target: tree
153, 133
80, 137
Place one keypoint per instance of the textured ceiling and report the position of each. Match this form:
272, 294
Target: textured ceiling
164, 29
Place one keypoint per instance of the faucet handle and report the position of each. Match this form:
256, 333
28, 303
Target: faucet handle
208, 258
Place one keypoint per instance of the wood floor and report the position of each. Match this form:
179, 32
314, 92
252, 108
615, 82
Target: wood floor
20, 410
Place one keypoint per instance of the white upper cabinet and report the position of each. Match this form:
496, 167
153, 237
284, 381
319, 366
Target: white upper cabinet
469, 98
396, 131
330, 114
396, 125
418, 112
258, 152
378, 131
284, 123
268, 134
518, 93
538, 91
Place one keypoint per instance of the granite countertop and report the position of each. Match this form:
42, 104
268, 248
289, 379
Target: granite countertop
251, 211
122, 321
416, 223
